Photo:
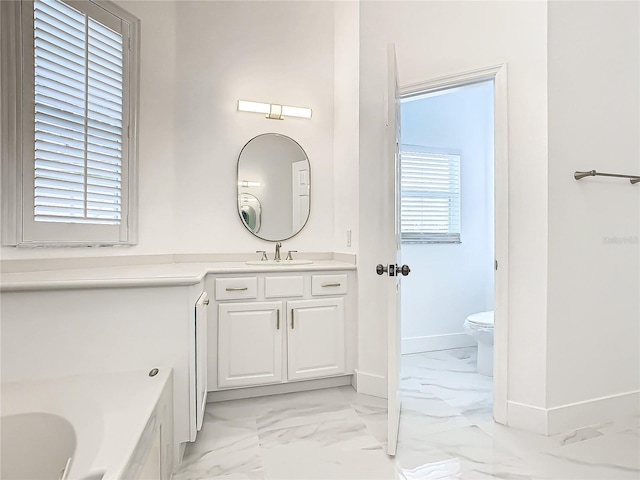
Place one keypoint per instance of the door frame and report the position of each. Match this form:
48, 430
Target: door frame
497, 73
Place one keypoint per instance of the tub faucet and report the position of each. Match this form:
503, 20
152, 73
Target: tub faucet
277, 255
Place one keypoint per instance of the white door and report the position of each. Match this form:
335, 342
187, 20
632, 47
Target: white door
249, 344
198, 366
392, 243
315, 336
201, 358
301, 180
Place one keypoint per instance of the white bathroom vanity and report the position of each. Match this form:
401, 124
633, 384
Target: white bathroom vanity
229, 328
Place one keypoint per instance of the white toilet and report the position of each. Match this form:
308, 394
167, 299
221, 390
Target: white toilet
480, 327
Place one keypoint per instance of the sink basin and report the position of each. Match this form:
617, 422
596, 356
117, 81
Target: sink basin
279, 263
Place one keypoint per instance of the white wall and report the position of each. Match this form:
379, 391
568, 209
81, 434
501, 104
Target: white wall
478, 34
448, 282
198, 59
262, 51
594, 123
346, 123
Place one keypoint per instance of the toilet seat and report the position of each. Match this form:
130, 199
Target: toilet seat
482, 319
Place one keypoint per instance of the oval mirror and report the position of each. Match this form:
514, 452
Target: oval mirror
274, 187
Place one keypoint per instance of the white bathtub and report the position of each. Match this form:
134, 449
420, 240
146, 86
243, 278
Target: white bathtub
105, 426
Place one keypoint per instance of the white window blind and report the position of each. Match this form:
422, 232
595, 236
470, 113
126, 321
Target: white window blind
430, 196
78, 75
70, 82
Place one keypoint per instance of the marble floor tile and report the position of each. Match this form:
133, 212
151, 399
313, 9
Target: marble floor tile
466, 452
300, 462
612, 456
376, 424
450, 376
576, 436
339, 434
519, 442
371, 410
223, 448
446, 432
303, 412
421, 417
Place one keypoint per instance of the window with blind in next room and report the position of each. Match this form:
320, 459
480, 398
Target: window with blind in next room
69, 167
430, 196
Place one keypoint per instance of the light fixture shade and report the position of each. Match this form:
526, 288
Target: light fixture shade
255, 107
274, 111
300, 112
247, 183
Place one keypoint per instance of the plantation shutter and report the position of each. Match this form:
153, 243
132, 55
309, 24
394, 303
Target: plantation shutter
78, 75
430, 196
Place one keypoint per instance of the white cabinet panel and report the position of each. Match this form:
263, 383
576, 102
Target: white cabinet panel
315, 333
250, 344
290, 286
328, 285
236, 288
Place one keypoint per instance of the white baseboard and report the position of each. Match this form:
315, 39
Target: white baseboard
565, 418
527, 417
289, 387
592, 412
371, 384
432, 343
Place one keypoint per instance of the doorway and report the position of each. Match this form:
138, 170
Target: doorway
498, 75
447, 224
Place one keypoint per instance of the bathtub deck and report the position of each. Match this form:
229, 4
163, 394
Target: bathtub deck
108, 411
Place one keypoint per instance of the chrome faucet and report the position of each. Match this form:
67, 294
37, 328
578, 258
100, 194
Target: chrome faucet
277, 255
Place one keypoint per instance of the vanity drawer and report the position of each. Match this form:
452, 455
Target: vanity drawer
236, 288
275, 287
329, 284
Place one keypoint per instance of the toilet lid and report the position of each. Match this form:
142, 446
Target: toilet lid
482, 318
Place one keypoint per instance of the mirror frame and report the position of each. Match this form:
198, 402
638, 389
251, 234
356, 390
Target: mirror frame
245, 226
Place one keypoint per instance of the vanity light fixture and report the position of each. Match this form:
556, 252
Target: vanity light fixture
273, 111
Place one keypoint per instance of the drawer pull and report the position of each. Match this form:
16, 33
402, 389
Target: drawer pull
278, 320
236, 289
330, 284
292, 324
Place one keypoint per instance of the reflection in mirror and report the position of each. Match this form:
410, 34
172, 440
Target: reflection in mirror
274, 183
250, 211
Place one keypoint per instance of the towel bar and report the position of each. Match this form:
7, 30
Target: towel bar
592, 173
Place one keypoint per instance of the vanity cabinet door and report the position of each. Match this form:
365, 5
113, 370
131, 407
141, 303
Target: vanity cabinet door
315, 335
250, 343
201, 358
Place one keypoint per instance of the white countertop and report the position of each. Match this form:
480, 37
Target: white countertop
154, 275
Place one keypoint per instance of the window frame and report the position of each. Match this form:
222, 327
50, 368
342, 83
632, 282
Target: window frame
424, 238
17, 135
